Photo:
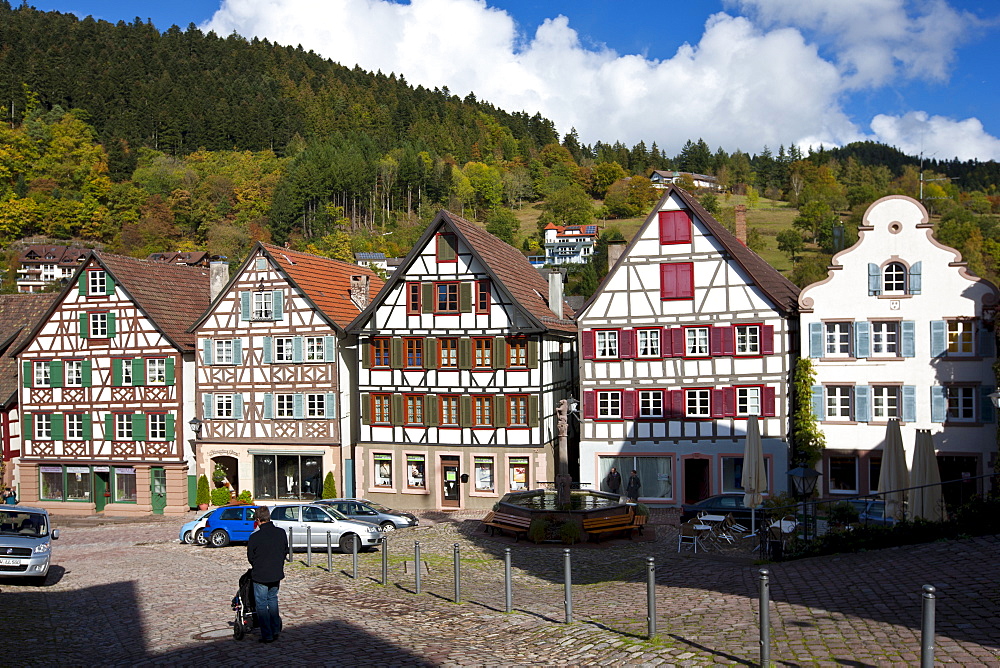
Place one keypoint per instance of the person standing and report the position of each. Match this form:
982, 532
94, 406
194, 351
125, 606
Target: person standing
9, 497
633, 486
266, 552
613, 481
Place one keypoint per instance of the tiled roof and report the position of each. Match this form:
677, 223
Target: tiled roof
52, 254
172, 295
326, 282
18, 316
178, 257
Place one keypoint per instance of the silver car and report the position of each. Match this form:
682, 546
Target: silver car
369, 511
25, 542
314, 521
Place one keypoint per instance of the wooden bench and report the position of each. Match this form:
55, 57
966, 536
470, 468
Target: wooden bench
595, 526
516, 525
639, 521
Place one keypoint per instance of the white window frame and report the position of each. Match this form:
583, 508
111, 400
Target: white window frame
885, 338
894, 279
960, 338
74, 373
284, 348
886, 402
696, 342
606, 344
315, 405
647, 342
650, 403
50, 272
747, 339
156, 426
97, 282
42, 425
838, 403
98, 325
224, 407
748, 401
41, 374
156, 371
123, 426
126, 371
609, 404
961, 403
382, 466
223, 351
73, 426
263, 305
698, 403
837, 339
284, 406
315, 348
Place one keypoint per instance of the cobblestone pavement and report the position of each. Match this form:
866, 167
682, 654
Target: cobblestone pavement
131, 594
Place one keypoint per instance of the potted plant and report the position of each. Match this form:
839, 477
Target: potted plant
219, 474
204, 496
221, 496
245, 497
329, 486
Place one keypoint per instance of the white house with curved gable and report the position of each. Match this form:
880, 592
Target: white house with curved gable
900, 329
689, 334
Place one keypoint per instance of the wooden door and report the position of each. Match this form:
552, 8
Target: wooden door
451, 488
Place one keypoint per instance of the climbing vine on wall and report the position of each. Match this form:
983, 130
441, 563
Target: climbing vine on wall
807, 439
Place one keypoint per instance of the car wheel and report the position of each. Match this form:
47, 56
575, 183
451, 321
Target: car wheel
219, 538
188, 538
199, 538
347, 543
387, 526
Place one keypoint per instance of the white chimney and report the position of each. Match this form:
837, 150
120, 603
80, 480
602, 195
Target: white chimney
556, 292
359, 290
218, 277
615, 251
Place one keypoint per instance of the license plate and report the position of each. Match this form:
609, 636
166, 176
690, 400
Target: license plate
10, 562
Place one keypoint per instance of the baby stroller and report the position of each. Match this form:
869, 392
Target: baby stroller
245, 606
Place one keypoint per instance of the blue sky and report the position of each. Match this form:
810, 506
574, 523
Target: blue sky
917, 74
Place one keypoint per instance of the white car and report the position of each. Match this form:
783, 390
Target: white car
189, 532
316, 521
25, 543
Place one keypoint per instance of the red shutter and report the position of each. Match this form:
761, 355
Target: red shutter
768, 402
728, 341
668, 281
715, 341
677, 341
628, 404
685, 280
767, 340
666, 344
676, 404
718, 403
589, 344
590, 404
626, 344
675, 227
729, 401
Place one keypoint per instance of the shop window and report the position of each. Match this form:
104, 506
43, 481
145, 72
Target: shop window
518, 473
292, 477
124, 484
383, 469
416, 469
484, 470
843, 477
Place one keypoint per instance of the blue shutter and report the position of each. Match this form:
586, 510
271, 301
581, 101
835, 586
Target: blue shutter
817, 402
237, 351
863, 403
331, 405
939, 404
298, 406
207, 406
915, 278
939, 338
207, 352
907, 332
238, 406
328, 348
268, 406
268, 355
986, 347
862, 339
297, 349
815, 339
874, 279
244, 305
986, 411
909, 403
277, 305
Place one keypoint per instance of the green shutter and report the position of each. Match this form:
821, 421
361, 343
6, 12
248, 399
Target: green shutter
396, 353
109, 284
465, 353
430, 353
27, 377
397, 409
427, 301
445, 249
116, 372
138, 371
139, 427
58, 427
465, 297
112, 330
109, 427
366, 354
465, 411
88, 426
533, 353
56, 373
499, 411
81, 284
170, 371
244, 305
500, 358
533, 410
170, 428
431, 410
366, 408
86, 373
84, 325
26, 428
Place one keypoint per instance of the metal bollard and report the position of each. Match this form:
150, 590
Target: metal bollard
416, 566
458, 575
290, 543
568, 591
354, 555
329, 552
650, 598
927, 628
309, 546
765, 619
507, 584
385, 560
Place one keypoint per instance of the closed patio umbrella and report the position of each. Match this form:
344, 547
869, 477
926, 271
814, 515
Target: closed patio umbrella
754, 475
925, 501
894, 475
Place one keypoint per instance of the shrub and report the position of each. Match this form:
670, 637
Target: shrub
537, 529
245, 496
843, 513
329, 486
220, 496
569, 532
642, 509
219, 474
204, 494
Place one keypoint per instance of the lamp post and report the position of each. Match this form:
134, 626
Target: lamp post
804, 481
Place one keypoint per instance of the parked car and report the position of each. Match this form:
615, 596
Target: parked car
720, 504
189, 529
369, 511
314, 521
872, 511
25, 543
226, 525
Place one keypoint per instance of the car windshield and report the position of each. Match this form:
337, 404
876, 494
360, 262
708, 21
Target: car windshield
20, 523
336, 513
380, 508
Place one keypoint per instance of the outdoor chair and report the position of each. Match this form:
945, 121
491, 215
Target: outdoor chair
688, 535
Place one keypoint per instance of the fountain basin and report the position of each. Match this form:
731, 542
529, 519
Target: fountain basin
584, 503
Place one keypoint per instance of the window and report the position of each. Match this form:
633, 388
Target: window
446, 297
517, 353
223, 349
747, 401
156, 426
53, 483
484, 474
698, 403
156, 371
99, 325
97, 283
677, 280
43, 426
732, 474
381, 408
651, 403
70, 483
483, 296
315, 405
447, 248
74, 373
414, 409
885, 338
292, 477
482, 411
607, 344
263, 305
284, 405
843, 475
837, 339
41, 374
747, 339
838, 402
517, 410
648, 341
960, 337
675, 227
126, 366
125, 485
696, 341
885, 402
123, 426
50, 272
448, 408
223, 406
413, 298
414, 353
518, 473
74, 426
482, 357
961, 404
415, 472
284, 349
383, 469
894, 279
656, 473
448, 353
380, 353
315, 348
609, 405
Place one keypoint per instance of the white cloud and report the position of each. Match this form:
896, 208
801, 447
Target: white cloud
936, 136
739, 86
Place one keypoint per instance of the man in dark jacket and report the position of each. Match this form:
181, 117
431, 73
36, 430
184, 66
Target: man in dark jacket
266, 552
613, 481
633, 487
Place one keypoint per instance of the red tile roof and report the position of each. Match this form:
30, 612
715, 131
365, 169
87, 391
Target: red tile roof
18, 316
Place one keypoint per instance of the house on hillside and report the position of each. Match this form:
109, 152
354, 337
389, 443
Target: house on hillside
689, 334
273, 384
105, 380
42, 265
186, 258
465, 354
900, 329
569, 244
661, 179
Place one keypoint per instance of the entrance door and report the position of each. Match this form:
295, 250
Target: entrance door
158, 489
102, 489
957, 473
696, 480
449, 474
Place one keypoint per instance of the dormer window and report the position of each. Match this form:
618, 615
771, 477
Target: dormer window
97, 282
894, 279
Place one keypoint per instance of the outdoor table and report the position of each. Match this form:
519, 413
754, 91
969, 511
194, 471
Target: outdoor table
712, 518
786, 526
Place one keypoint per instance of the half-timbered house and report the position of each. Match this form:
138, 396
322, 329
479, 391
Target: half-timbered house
465, 354
689, 334
272, 376
104, 379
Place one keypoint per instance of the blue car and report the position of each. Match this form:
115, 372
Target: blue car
229, 524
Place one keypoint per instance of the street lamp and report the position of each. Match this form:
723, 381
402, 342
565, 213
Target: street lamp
804, 481
195, 424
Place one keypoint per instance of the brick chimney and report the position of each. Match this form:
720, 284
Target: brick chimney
741, 223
